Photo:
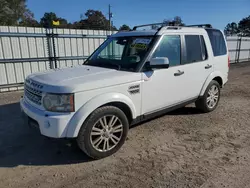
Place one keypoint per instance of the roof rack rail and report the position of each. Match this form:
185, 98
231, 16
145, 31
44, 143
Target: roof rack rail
154, 24
159, 26
200, 25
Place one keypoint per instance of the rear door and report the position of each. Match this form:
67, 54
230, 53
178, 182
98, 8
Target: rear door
196, 64
220, 54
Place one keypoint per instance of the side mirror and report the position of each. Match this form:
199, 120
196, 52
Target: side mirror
159, 62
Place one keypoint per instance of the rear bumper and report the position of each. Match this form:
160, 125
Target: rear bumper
225, 80
50, 124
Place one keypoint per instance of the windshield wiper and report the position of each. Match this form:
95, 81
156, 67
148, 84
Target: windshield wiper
106, 64
110, 65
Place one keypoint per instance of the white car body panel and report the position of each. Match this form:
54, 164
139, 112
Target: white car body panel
81, 78
50, 124
93, 94
160, 85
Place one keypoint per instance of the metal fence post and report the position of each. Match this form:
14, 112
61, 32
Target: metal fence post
249, 55
239, 48
49, 49
236, 50
54, 48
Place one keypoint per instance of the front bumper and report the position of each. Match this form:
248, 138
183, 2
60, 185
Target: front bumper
50, 124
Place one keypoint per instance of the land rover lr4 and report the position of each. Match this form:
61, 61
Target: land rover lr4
131, 77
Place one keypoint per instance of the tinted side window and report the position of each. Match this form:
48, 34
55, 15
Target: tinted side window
170, 47
203, 48
193, 48
217, 42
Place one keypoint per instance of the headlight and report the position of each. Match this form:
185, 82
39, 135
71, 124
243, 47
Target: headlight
59, 102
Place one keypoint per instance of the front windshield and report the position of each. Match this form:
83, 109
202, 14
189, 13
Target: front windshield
121, 53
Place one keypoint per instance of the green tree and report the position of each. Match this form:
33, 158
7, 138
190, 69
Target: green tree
49, 17
63, 23
12, 12
244, 26
29, 20
94, 19
177, 21
124, 27
231, 29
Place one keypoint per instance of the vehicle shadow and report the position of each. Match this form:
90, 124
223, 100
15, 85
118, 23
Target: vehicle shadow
187, 110
21, 145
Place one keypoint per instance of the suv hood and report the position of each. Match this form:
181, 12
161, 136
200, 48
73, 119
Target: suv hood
81, 78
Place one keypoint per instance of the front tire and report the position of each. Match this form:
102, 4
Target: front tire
104, 132
209, 101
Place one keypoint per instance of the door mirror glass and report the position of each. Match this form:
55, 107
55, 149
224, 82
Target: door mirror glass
159, 62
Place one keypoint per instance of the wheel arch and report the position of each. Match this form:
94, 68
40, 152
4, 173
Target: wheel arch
123, 107
118, 100
217, 76
219, 80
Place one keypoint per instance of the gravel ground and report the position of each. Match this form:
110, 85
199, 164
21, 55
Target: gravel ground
181, 149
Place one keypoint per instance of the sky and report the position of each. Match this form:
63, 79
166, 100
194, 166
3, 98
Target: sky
137, 12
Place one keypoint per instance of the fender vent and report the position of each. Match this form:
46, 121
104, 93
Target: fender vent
134, 89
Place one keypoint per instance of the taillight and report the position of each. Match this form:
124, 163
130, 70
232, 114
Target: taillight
228, 61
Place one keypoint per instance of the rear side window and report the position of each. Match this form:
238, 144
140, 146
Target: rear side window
203, 48
217, 42
194, 51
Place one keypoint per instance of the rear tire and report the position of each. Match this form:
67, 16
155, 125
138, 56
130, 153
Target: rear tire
104, 132
209, 101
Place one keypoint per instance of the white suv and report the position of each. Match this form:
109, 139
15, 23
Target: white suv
131, 77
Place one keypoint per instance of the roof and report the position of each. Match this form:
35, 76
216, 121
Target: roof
135, 33
178, 29
163, 30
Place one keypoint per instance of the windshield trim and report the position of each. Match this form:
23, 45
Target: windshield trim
153, 45
106, 42
91, 55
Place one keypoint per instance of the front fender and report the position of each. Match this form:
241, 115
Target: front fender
80, 116
209, 79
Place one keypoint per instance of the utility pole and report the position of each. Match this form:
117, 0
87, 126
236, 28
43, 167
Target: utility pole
110, 16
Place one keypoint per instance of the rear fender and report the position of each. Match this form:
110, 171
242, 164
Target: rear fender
209, 79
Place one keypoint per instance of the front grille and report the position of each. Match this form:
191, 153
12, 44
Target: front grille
33, 91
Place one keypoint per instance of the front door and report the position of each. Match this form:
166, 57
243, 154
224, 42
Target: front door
163, 88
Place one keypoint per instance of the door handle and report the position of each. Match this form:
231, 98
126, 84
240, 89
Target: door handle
179, 73
208, 66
